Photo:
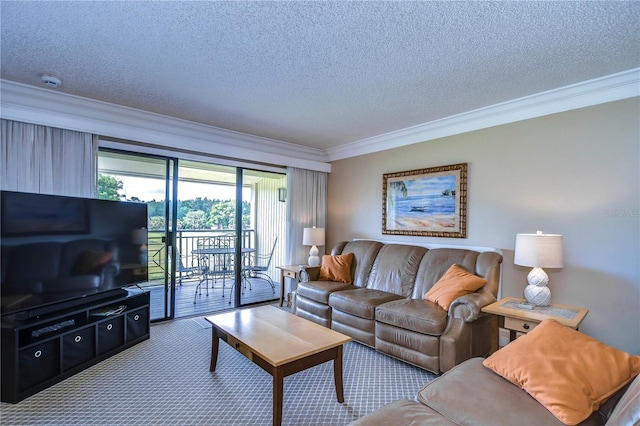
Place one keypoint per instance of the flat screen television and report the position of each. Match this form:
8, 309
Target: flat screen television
59, 251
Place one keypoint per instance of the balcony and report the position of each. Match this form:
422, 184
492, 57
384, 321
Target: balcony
201, 289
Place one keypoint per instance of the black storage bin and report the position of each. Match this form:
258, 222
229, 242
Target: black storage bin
110, 334
42, 350
78, 347
137, 324
38, 363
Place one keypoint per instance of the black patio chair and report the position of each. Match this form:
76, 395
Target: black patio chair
259, 271
185, 272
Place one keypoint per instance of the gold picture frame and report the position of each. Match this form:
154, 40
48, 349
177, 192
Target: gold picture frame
428, 202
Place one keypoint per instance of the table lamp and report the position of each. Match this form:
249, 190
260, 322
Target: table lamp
139, 236
538, 251
313, 237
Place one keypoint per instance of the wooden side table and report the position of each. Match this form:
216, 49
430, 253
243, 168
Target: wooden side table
289, 271
507, 315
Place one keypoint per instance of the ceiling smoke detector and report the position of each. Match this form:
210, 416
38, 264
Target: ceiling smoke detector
51, 81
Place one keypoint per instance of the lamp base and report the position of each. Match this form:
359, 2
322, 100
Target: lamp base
538, 296
538, 277
314, 259
537, 293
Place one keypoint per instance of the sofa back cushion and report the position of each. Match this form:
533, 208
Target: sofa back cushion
365, 253
488, 266
436, 263
454, 283
394, 269
337, 267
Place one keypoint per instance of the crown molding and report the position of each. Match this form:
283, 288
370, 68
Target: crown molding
45, 107
601, 90
49, 108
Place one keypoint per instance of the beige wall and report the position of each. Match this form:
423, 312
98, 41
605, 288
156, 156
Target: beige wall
574, 173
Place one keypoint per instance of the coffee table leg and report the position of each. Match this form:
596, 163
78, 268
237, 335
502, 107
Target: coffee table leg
215, 342
278, 387
337, 374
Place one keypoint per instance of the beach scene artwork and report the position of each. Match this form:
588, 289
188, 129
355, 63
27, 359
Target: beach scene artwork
423, 203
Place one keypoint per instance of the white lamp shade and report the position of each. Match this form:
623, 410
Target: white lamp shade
539, 250
313, 236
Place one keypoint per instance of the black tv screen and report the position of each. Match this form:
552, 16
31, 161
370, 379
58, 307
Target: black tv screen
58, 251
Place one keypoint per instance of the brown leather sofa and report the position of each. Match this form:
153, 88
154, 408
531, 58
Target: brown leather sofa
384, 307
471, 394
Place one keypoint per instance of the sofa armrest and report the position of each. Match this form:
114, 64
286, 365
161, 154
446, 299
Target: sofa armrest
469, 307
470, 393
314, 272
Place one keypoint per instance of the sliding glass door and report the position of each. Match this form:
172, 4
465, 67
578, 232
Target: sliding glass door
207, 251
264, 220
151, 180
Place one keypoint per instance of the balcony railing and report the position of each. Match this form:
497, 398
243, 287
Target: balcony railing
186, 242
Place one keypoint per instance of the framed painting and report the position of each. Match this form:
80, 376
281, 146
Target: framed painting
426, 202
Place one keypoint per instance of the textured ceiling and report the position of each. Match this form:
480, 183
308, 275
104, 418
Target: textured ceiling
319, 74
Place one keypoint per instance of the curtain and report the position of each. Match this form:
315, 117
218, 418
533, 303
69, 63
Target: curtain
306, 207
47, 160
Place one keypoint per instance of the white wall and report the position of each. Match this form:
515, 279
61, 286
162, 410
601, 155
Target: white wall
574, 173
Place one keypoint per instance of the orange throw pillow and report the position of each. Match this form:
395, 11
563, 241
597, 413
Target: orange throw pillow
337, 268
454, 283
568, 372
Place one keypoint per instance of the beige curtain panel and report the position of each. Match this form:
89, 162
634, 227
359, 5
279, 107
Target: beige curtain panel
306, 207
47, 160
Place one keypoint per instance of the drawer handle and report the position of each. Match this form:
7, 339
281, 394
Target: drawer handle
136, 317
109, 327
525, 326
77, 339
38, 354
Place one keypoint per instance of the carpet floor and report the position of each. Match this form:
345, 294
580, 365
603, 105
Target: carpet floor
166, 381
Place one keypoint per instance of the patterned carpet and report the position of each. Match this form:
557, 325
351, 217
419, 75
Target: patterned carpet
166, 381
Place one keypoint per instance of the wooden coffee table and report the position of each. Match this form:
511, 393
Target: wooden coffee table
280, 343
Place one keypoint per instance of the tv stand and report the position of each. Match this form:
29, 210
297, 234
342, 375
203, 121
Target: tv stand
42, 351
56, 307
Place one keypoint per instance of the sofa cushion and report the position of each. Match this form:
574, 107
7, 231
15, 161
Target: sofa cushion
417, 315
365, 252
471, 394
403, 412
436, 262
568, 372
320, 291
337, 268
454, 283
394, 269
360, 302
